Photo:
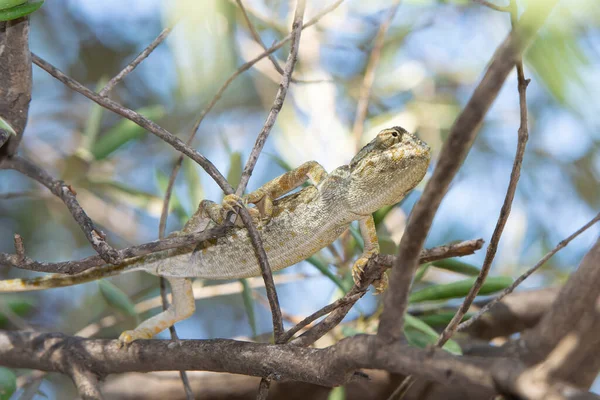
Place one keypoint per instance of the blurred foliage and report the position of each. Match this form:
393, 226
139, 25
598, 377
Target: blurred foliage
433, 56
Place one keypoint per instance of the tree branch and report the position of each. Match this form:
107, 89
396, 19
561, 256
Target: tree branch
524, 276
331, 366
373, 270
138, 119
135, 62
454, 151
77, 266
15, 81
523, 136
576, 301
68, 196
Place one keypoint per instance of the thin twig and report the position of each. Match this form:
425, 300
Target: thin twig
454, 151
524, 276
68, 196
256, 36
19, 247
246, 66
136, 61
523, 135
318, 314
369, 79
138, 119
373, 270
77, 266
263, 261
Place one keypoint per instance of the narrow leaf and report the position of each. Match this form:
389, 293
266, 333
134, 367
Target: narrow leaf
458, 289
249, 305
337, 393
8, 383
123, 132
193, 183
459, 267
419, 334
324, 269
441, 319
7, 127
235, 169
116, 298
19, 11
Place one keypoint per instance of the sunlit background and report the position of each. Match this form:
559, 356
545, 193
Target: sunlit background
434, 54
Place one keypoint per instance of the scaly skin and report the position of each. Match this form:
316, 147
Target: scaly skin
292, 228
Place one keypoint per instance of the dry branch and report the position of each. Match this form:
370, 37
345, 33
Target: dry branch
454, 151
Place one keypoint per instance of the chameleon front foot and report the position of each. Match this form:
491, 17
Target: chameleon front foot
231, 202
358, 270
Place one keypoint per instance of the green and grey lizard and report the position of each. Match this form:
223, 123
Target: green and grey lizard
292, 227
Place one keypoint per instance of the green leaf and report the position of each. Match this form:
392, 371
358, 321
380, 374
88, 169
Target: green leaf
458, 289
357, 237
21, 306
421, 272
441, 319
4, 4
235, 169
123, 132
7, 127
337, 393
348, 330
459, 267
117, 299
249, 305
92, 126
19, 11
419, 334
379, 215
193, 183
8, 383
323, 268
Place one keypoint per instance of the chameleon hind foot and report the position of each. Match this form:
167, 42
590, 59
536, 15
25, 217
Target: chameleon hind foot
127, 337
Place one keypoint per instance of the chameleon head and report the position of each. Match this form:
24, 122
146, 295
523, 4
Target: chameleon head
386, 169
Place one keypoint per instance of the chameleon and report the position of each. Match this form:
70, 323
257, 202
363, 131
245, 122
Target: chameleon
293, 225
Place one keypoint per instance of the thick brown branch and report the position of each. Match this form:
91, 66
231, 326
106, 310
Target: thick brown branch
576, 301
523, 136
15, 81
454, 151
329, 367
67, 195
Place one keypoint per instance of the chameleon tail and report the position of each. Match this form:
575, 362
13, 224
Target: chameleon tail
58, 280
